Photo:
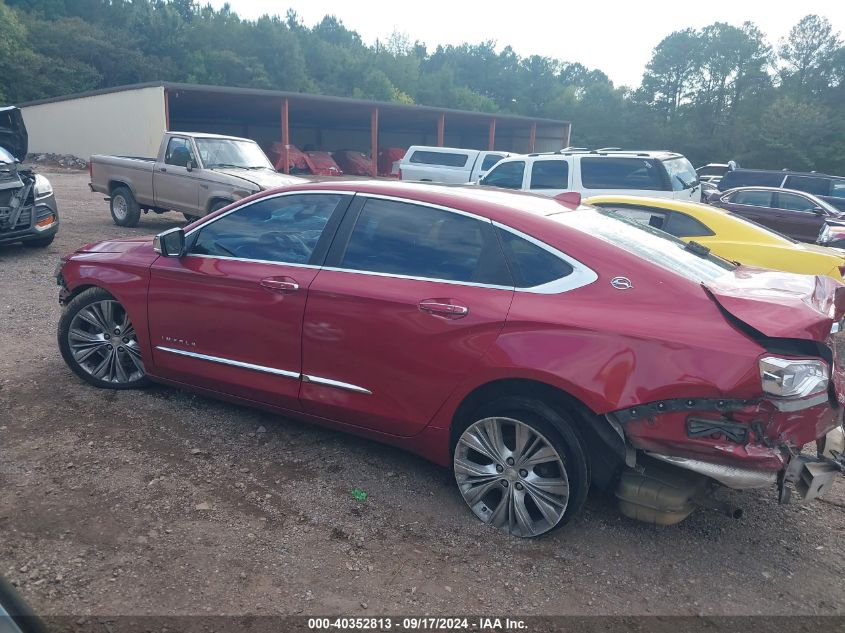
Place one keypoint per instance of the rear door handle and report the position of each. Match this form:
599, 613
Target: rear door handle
280, 284
443, 308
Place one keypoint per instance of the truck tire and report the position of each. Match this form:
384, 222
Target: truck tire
124, 208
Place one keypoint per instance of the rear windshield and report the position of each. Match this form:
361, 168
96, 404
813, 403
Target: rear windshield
646, 242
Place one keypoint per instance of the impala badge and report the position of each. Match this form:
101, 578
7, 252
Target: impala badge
178, 341
621, 283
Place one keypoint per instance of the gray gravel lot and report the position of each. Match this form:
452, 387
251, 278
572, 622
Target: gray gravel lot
164, 502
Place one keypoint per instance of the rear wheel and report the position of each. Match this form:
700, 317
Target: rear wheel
124, 208
520, 467
98, 342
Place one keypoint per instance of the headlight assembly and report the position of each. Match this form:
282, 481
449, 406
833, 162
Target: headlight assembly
42, 188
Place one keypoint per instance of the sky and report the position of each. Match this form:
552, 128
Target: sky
615, 37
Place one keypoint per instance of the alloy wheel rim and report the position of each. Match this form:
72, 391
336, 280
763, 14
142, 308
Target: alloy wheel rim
511, 476
119, 206
103, 343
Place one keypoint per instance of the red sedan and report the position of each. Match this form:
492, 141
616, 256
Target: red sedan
535, 349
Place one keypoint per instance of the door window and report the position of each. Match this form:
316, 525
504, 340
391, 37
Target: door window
507, 175
752, 198
399, 238
490, 160
793, 202
179, 152
816, 186
837, 190
622, 173
531, 264
284, 229
449, 159
550, 174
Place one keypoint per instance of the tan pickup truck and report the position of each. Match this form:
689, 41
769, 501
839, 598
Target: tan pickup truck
193, 174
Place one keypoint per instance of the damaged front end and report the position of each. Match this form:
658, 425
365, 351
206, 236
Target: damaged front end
682, 449
28, 212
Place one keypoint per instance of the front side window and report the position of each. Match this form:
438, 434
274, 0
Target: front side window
550, 174
622, 173
284, 229
837, 190
752, 198
530, 264
449, 159
490, 160
681, 173
179, 152
809, 184
792, 202
507, 175
400, 238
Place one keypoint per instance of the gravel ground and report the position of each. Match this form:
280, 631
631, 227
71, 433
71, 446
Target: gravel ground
162, 502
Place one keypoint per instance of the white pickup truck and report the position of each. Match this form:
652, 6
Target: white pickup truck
193, 174
447, 164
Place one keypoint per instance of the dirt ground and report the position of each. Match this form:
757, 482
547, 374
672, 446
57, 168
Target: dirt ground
163, 502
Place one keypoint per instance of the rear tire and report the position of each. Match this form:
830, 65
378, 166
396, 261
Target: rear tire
521, 466
98, 342
124, 208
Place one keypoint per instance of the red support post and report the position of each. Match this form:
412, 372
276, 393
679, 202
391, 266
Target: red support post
532, 137
441, 128
374, 140
285, 136
491, 136
166, 110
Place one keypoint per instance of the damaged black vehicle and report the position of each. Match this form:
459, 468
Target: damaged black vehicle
28, 212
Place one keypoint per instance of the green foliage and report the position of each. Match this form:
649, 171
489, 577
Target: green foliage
714, 94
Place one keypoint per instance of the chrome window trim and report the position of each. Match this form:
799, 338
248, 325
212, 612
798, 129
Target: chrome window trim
233, 363
252, 261
281, 194
328, 382
413, 278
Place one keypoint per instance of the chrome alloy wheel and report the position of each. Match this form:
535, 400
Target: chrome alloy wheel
103, 343
511, 476
119, 207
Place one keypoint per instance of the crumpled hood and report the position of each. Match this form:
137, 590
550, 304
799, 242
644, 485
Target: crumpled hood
777, 304
265, 179
13, 135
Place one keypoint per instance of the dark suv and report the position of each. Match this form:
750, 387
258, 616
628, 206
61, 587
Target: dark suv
831, 189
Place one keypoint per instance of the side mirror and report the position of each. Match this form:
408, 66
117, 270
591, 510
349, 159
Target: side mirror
189, 165
170, 243
818, 211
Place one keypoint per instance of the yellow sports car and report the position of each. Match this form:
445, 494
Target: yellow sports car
727, 235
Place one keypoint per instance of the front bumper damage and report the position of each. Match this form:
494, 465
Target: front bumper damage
684, 449
24, 217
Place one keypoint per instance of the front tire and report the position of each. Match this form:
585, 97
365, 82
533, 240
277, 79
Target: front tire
124, 208
98, 342
521, 467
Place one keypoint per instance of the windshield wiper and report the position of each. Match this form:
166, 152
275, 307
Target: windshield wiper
697, 249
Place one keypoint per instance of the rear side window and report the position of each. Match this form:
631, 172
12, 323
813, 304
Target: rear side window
490, 160
622, 173
837, 190
792, 202
739, 178
752, 198
449, 159
507, 175
682, 225
283, 229
816, 186
400, 238
550, 174
530, 264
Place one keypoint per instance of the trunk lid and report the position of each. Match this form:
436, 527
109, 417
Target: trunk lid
777, 304
13, 135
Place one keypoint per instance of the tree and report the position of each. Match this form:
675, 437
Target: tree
810, 55
671, 74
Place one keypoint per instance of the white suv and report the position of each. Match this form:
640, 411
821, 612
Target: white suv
597, 172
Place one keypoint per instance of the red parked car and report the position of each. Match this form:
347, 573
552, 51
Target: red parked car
535, 349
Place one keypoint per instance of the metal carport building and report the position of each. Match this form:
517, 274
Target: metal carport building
129, 120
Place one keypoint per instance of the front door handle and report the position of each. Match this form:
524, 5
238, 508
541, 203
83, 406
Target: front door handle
280, 284
443, 307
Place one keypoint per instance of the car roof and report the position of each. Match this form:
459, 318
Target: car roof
209, 135
596, 153
787, 172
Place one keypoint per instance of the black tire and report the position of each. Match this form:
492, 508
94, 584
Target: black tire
124, 208
559, 430
41, 242
86, 299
